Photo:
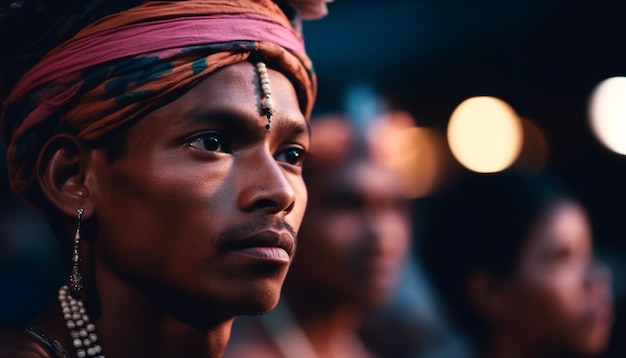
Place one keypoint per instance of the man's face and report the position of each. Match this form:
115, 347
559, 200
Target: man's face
561, 297
355, 235
202, 206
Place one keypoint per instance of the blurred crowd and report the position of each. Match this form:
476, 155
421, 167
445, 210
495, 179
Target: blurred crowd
489, 265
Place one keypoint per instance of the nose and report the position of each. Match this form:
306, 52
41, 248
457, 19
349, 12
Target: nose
377, 228
265, 186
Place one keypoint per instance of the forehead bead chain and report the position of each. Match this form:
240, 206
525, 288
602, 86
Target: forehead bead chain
266, 94
82, 331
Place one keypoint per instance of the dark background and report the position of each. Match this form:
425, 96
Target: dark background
543, 57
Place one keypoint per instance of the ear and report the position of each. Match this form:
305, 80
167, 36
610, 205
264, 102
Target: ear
487, 295
61, 172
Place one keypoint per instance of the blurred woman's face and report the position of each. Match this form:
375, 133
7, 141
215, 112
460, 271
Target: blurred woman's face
560, 299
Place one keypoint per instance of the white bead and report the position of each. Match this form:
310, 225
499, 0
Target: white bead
82, 331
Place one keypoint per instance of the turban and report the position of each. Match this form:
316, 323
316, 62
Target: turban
125, 65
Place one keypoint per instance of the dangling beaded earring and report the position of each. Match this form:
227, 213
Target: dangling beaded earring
76, 279
81, 329
266, 94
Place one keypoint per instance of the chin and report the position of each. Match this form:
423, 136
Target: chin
373, 297
257, 299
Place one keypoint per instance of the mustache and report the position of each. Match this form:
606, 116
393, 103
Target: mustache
251, 227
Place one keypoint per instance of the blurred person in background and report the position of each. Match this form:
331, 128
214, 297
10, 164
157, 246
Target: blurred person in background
352, 247
511, 257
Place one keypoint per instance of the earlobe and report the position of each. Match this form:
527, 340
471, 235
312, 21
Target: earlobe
61, 172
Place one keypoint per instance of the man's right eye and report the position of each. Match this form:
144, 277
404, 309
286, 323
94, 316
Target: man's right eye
210, 142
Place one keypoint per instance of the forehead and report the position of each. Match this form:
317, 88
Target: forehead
565, 223
363, 177
237, 86
235, 91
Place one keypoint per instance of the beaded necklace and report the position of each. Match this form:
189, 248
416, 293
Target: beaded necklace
82, 331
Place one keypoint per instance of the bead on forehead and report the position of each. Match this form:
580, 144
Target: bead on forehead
266, 94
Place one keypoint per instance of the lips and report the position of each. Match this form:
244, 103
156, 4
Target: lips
268, 245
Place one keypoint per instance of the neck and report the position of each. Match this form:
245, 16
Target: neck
509, 346
130, 323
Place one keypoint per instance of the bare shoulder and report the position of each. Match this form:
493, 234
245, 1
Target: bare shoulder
19, 344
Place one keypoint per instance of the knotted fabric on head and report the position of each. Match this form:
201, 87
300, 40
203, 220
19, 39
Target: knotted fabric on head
125, 65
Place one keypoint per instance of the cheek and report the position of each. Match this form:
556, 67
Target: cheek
562, 286
150, 219
330, 231
550, 303
395, 232
344, 229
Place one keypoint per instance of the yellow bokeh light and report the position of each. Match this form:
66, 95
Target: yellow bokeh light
485, 134
607, 113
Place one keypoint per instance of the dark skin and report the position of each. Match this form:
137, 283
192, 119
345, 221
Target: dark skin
192, 225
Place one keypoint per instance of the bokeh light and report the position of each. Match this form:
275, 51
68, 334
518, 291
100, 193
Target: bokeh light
485, 134
607, 113
416, 154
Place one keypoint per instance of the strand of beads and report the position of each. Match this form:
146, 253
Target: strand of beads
82, 331
266, 93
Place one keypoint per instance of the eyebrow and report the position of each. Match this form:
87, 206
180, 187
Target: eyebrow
241, 121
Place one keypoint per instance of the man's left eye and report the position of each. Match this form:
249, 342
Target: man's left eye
292, 156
